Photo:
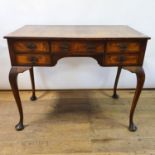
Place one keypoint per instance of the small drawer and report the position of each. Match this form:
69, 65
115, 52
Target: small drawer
30, 46
117, 46
27, 59
125, 59
77, 47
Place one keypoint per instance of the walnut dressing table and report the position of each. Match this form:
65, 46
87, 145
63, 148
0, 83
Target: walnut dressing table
43, 46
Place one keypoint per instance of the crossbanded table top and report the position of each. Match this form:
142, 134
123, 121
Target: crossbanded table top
76, 31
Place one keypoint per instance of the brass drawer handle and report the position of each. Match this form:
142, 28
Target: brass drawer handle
31, 46
33, 59
123, 46
121, 58
91, 46
64, 46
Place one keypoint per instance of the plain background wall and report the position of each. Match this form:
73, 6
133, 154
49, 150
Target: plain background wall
77, 72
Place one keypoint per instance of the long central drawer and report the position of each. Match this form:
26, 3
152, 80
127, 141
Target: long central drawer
77, 47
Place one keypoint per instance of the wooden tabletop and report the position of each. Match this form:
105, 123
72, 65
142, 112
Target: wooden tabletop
78, 31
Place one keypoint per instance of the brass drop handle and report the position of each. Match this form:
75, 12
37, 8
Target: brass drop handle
64, 46
123, 46
31, 46
121, 58
33, 59
91, 47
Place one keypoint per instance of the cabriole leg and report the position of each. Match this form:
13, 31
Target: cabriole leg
14, 85
115, 96
33, 97
140, 74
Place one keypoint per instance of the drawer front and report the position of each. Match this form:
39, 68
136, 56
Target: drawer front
117, 46
77, 47
124, 59
30, 46
27, 59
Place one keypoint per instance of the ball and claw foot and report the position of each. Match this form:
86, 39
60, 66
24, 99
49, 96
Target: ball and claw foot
115, 96
132, 127
19, 126
33, 98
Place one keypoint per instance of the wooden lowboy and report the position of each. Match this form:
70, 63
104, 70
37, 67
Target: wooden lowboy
110, 46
